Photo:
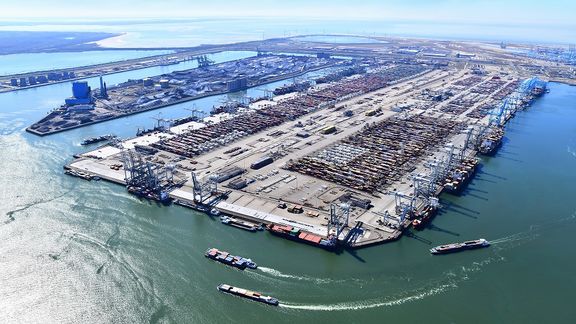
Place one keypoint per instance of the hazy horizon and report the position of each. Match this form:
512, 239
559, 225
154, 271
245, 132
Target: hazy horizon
516, 21
138, 32
556, 12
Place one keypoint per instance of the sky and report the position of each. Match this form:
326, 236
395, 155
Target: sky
506, 12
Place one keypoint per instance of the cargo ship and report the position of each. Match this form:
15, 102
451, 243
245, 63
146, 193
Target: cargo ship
98, 139
491, 142
238, 223
424, 217
297, 235
456, 247
240, 292
460, 176
231, 260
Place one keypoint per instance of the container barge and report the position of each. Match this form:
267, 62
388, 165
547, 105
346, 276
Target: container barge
456, 247
295, 234
240, 292
231, 260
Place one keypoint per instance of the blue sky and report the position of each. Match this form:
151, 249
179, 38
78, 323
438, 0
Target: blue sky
508, 12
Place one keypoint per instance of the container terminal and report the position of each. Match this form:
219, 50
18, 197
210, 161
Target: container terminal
351, 161
553, 63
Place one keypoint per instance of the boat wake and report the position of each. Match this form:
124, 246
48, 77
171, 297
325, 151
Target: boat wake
522, 236
373, 303
278, 274
450, 280
10, 214
572, 151
534, 231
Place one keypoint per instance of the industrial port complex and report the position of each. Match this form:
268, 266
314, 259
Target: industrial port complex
350, 159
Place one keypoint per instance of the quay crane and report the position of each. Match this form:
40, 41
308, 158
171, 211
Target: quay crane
339, 215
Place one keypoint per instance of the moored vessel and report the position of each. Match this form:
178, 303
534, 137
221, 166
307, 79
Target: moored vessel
460, 176
98, 139
241, 224
424, 217
492, 141
297, 235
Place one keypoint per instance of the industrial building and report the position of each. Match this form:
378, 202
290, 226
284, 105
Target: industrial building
81, 94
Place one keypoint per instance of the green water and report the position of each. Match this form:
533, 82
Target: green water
77, 251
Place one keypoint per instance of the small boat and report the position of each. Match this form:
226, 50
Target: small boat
240, 292
231, 260
456, 247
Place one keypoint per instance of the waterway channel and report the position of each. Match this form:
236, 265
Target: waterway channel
83, 251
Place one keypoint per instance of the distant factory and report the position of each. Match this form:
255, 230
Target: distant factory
42, 79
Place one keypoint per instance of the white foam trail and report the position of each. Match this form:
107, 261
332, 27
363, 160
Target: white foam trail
571, 151
276, 273
515, 237
533, 231
449, 282
373, 304
453, 277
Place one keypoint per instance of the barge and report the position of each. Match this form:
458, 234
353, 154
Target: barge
241, 224
255, 296
231, 260
98, 139
457, 247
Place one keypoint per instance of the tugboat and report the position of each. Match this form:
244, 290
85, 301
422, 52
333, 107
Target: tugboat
231, 260
240, 292
456, 247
